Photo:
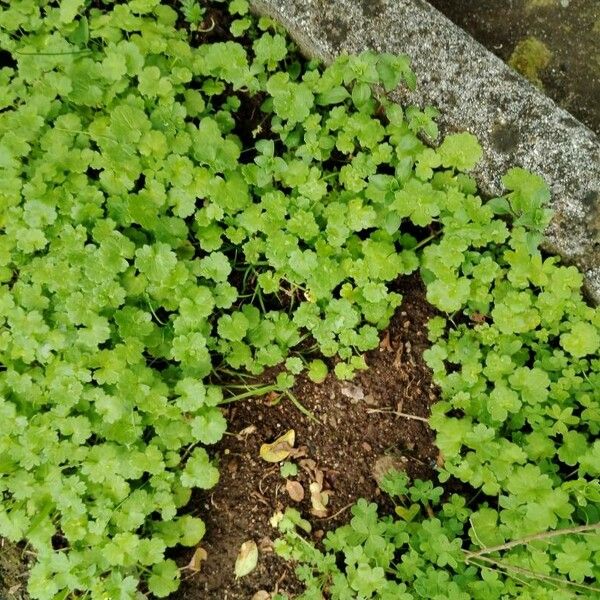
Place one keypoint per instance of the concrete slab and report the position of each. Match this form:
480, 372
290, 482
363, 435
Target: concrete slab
475, 91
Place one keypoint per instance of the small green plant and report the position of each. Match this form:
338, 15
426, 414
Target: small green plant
192, 11
159, 246
438, 550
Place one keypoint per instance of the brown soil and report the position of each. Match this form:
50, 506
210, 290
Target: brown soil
570, 30
13, 572
350, 436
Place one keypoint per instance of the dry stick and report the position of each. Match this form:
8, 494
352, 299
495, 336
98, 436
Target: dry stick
534, 574
337, 514
400, 414
530, 538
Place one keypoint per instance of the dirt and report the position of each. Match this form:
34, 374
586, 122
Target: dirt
356, 425
14, 570
568, 30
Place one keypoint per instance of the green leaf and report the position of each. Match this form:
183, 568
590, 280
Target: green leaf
574, 561
233, 327
199, 471
583, 339
317, 371
288, 469
270, 49
209, 426
164, 579
460, 151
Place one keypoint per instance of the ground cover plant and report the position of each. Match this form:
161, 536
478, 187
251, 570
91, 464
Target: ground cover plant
188, 203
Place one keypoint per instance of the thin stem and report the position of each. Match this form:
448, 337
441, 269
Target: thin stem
535, 575
250, 394
399, 414
426, 240
531, 538
52, 53
301, 408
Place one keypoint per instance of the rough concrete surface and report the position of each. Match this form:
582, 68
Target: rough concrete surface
475, 91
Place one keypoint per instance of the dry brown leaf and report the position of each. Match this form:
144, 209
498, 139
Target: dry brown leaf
353, 391
319, 477
265, 545
294, 490
199, 556
280, 449
247, 431
440, 460
385, 343
247, 559
261, 595
308, 464
318, 499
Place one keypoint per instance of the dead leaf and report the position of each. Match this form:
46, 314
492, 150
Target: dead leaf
276, 519
318, 499
353, 391
294, 490
280, 449
478, 318
247, 431
298, 452
272, 398
265, 545
199, 556
385, 342
440, 460
261, 595
308, 464
247, 559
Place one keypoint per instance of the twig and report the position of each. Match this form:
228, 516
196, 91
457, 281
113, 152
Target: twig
534, 574
337, 514
399, 414
530, 538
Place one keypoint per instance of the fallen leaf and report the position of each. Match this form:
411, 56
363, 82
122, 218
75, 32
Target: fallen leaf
318, 499
247, 431
247, 559
308, 464
353, 391
261, 595
280, 449
276, 519
478, 318
385, 343
198, 557
319, 476
440, 460
294, 490
265, 545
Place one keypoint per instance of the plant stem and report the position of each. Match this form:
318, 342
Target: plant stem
250, 394
533, 574
530, 538
400, 414
301, 408
426, 240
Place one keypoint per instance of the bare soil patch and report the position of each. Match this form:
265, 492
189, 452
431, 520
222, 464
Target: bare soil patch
357, 425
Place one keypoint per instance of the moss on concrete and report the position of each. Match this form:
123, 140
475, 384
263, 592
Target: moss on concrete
530, 57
